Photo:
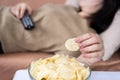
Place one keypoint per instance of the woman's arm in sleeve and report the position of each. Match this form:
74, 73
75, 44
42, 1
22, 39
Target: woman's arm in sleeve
11, 62
111, 37
74, 3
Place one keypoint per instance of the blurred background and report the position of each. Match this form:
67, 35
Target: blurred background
33, 3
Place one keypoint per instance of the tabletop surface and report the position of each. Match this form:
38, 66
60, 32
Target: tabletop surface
95, 75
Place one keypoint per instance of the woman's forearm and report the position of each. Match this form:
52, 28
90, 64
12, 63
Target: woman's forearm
74, 3
21, 60
9, 63
111, 37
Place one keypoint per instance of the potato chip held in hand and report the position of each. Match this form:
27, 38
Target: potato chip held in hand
71, 45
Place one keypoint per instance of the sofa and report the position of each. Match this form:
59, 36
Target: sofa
113, 64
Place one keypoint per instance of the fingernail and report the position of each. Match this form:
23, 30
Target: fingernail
81, 46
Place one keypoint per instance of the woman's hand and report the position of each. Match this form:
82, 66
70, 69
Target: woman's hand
19, 10
91, 48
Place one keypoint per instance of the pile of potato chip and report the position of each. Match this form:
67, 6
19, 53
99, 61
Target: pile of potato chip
59, 67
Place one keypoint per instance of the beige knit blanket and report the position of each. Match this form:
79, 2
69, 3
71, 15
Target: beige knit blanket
54, 24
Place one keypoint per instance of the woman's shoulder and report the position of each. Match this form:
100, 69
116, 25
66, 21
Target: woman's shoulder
118, 12
116, 18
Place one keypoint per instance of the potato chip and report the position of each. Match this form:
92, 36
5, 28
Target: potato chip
71, 45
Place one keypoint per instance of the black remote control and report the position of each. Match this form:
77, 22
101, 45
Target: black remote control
27, 21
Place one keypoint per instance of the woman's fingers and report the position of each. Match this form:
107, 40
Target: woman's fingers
90, 41
15, 11
91, 48
23, 8
20, 9
97, 54
91, 61
29, 10
83, 37
88, 61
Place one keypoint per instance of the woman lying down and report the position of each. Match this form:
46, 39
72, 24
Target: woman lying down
54, 25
